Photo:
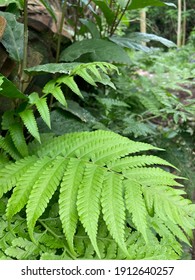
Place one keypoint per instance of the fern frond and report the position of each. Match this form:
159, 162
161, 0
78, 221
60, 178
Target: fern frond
22, 249
18, 139
43, 190
56, 91
8, 146
137, 161
133, 198
88, 201
29, 121
152, 176
99, 146
168, 204
24, 186
113, 208
10, 173
99, 177
68, 197
69, 81
43, 109
86, 76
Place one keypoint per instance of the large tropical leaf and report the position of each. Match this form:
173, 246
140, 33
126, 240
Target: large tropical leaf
96, 50
12, 38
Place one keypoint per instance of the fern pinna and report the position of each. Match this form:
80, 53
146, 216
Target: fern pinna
100, 175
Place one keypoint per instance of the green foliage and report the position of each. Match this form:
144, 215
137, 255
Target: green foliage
91, 195
8, 89
92, 73
93, 49
91, 169
19, 3
12, 38
135, 4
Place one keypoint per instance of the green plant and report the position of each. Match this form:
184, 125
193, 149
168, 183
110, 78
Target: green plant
87, 195
96, 175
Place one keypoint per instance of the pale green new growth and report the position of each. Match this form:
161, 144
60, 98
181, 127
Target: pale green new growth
99, 177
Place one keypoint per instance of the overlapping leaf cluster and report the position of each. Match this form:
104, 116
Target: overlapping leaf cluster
98, 173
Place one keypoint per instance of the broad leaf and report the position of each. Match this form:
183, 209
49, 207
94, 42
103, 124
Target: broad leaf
53, 68
12, 38
96, 50
19, 3
137, 4
107, 12
8, 89
92, 27
134, 41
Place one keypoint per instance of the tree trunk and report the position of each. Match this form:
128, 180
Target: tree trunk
184, 23
179, 23
143, 28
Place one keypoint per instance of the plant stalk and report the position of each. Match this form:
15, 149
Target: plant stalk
60, 31
117, 22
25, 47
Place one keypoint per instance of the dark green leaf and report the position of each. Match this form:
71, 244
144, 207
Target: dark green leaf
63, 68
92, 27
8, 89
137, 4
12, 38
96, 50
108, 13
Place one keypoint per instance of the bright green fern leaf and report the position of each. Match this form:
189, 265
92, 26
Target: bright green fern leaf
133, 198
88, 201
10, 174
43, 190
18, 139
68, 197
69, 81
7, 145
20, 194
28, 118
99, 177
43, 109
113, 208
56, 91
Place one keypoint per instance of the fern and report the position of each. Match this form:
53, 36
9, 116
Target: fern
98, 175
28, 118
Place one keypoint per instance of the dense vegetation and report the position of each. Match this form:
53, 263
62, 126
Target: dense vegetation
97, 133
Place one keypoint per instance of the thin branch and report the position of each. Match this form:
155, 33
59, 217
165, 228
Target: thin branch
116, 23
60, 31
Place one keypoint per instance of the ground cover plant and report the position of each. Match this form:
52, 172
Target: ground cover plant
80, 177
